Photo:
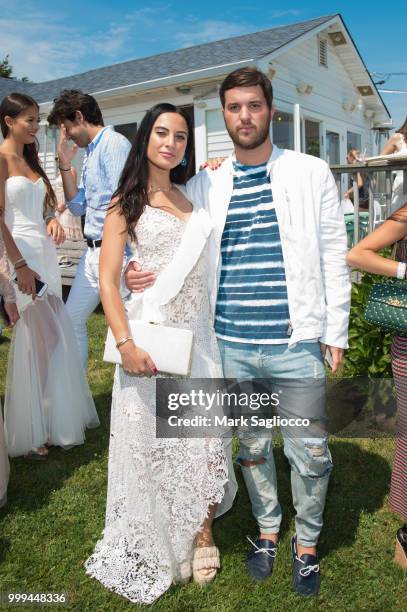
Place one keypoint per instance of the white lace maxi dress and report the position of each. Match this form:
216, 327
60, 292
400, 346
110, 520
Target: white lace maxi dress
159, 490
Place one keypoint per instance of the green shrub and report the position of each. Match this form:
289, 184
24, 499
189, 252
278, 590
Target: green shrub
369, 347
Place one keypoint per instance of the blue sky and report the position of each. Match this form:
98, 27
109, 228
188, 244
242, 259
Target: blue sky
47, 39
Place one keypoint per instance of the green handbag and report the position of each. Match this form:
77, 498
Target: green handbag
387, 306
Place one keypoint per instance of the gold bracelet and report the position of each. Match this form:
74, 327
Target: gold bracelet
123, 341
23, 264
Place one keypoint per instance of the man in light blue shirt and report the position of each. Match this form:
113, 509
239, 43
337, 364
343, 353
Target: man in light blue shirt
81, 121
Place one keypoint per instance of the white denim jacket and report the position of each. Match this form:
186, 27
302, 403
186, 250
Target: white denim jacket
313, 240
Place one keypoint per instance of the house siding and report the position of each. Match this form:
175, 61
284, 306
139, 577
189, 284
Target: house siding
331, 88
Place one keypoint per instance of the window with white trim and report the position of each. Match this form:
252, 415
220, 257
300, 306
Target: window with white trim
283, 130
353, 141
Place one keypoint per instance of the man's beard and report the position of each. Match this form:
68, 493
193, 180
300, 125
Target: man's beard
249, 145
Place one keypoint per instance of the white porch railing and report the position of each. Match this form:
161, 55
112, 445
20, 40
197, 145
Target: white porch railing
378, 180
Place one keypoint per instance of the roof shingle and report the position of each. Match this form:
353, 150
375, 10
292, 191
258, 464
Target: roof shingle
229, 50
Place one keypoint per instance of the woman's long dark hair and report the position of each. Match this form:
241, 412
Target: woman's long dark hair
11, 106
133, 184
403, 130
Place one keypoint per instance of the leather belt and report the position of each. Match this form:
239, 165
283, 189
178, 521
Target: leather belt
93, 244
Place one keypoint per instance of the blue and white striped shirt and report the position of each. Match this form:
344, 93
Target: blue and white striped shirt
252, 305
102, 166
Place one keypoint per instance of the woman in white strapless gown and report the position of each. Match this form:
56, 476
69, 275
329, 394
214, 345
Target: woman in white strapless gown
397, 145
47, 401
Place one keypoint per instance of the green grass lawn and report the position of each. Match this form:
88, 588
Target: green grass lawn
55, 515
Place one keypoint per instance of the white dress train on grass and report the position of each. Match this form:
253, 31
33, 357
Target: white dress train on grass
159, 490
47, 394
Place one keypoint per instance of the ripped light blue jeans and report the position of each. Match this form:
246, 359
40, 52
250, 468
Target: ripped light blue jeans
302, 396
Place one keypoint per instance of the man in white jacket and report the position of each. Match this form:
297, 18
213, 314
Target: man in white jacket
280, 291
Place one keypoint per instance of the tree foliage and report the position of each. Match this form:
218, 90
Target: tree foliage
6, 70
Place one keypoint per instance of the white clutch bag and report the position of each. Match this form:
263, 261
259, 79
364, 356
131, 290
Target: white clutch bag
169, 347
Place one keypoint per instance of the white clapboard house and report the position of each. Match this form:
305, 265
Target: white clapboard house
325, 98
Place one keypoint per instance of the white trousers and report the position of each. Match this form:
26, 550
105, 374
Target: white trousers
84, 297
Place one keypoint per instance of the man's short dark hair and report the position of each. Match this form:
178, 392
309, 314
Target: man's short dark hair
247, 76
71, 100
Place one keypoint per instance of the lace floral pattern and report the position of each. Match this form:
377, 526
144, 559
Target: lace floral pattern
159, 490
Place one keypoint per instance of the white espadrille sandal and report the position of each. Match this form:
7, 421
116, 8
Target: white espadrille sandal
205, 558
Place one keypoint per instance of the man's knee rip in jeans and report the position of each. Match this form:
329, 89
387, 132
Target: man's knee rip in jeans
251, 452
318, 459
310, 457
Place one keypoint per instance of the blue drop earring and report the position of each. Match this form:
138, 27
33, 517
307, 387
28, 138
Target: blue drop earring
184, 162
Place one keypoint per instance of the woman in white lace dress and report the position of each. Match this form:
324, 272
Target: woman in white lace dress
397, 145
162, 493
